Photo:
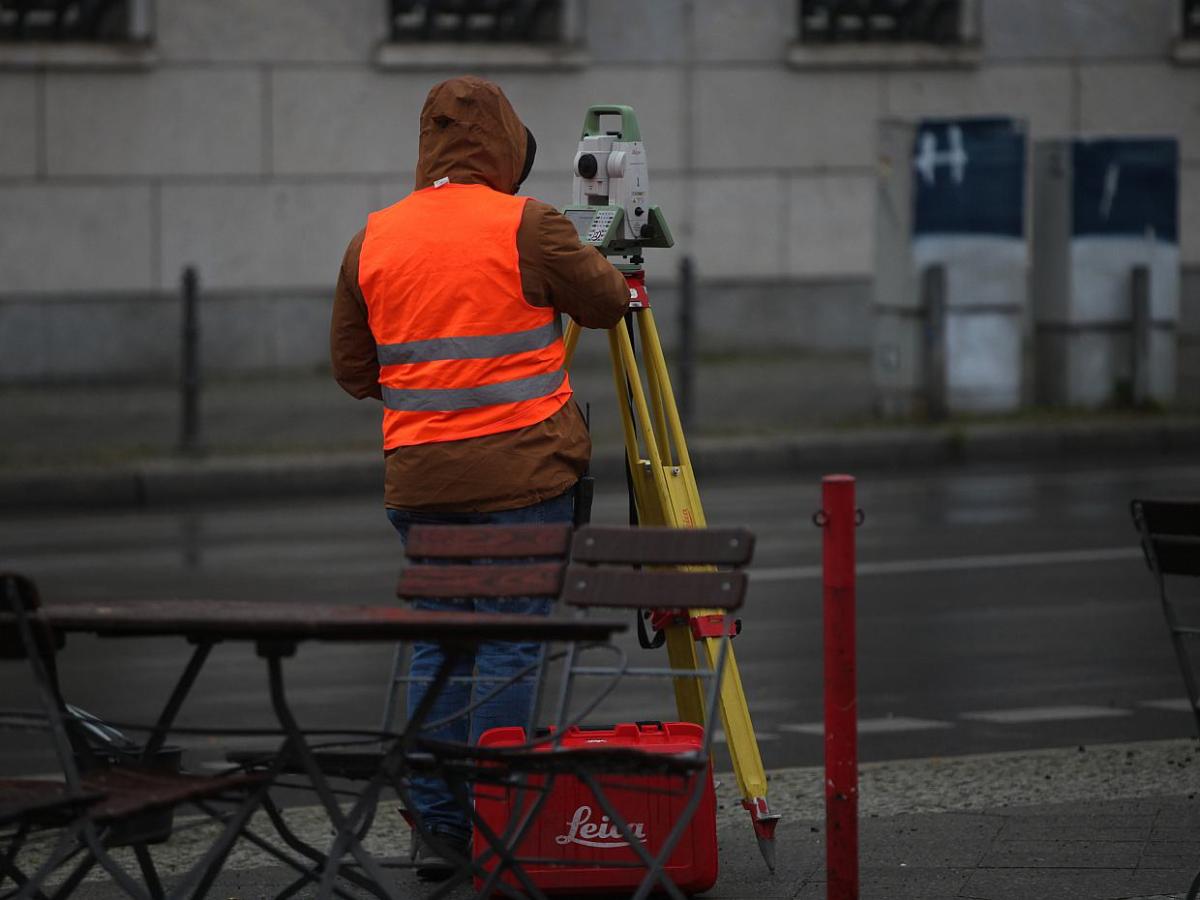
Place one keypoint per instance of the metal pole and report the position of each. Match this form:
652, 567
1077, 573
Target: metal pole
839, 519
933, 299
687, 349
189, 383
1139, 289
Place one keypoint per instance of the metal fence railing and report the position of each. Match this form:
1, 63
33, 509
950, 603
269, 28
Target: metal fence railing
879, 21
74, 20
478, 21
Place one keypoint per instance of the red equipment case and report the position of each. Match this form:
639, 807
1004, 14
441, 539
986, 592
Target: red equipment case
572, 827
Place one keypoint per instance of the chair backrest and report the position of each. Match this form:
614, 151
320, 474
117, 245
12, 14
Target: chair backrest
1170, 531
509, 561
531, 561
603, 570
487, 541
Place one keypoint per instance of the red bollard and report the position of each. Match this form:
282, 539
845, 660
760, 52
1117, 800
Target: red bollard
838, 519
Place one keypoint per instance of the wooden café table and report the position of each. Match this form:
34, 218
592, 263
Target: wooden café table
276, 629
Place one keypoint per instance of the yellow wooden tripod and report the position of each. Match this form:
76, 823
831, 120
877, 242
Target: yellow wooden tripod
665, 493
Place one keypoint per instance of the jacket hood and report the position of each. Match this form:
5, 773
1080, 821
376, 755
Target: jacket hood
471, 134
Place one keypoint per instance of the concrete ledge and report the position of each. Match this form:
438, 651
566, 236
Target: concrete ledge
71, 488
884, 56
163, 482
166, 482
456, 55
892, 448
172, 481
78, 55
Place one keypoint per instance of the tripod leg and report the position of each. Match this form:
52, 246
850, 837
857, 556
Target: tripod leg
665, 492
622, 381
685, 510
570, 340
668, 429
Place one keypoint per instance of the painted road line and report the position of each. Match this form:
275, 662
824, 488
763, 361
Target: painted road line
957, 563
1028, 714
1175, 704
883, 725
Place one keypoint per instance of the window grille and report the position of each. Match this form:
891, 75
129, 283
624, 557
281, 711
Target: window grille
882, 21
477, 21
1191, 20
74, 20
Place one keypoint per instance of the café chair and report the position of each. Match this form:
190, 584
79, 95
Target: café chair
609, 568
101, 802
1170, 532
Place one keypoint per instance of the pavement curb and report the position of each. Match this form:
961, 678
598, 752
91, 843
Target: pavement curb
167, 481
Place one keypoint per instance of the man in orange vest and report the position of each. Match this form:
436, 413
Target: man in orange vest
448, 310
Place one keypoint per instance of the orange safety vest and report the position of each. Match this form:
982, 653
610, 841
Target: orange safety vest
461, 352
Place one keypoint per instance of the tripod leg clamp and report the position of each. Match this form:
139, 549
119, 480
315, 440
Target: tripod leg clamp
714, 625
707, 625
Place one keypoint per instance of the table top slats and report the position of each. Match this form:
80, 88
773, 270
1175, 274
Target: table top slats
217, 620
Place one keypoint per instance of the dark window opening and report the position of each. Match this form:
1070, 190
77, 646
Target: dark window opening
70, 20
1191, 20
477, 21
881, 21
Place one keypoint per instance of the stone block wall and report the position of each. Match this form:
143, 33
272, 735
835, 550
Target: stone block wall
251, 140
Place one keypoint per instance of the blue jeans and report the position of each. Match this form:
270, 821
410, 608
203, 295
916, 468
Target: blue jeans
493, 659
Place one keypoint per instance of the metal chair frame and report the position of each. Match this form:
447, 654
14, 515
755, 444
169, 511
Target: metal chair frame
1170, 533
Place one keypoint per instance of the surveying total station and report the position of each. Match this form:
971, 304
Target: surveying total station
612, 211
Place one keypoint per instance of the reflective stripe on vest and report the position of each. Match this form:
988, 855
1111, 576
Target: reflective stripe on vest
462, 354
482, 346
450, 399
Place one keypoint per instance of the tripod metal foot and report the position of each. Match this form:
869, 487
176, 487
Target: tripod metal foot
764, 822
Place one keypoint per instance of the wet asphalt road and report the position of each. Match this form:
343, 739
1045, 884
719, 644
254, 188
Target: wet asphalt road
999, 608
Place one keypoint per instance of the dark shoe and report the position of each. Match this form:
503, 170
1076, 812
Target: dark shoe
433, 865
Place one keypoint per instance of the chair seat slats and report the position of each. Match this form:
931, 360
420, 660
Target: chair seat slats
663, 546
484, 541
40, 801
630, 588
448, 582
129, 791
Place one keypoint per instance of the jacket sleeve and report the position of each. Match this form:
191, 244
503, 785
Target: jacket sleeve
351, 343
558, 270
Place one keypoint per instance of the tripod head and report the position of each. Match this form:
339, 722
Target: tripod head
610, 205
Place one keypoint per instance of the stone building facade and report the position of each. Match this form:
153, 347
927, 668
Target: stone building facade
250, 138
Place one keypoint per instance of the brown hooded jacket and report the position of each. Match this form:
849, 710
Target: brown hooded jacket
471, 135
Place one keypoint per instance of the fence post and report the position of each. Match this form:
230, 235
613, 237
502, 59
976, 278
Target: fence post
933, 301
1139, 289
839, 517
189, 375
687, 347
